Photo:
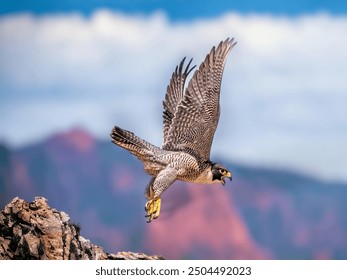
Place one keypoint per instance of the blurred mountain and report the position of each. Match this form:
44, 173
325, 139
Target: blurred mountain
261, 214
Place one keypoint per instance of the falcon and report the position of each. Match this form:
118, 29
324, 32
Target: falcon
190, 119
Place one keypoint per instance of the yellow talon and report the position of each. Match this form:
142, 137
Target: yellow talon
153, 208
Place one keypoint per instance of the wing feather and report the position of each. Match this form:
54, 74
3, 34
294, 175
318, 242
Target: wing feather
196, 118
174, 95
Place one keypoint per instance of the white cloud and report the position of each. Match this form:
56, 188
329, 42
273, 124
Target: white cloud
284, 87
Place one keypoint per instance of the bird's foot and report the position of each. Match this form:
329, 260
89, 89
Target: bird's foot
152, 208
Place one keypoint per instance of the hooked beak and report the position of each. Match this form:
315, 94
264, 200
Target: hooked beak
228, 175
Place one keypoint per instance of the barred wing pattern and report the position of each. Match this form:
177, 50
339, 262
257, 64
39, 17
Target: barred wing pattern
174, 95
196, 117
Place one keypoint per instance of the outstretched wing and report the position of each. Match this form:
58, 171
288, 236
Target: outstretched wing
196, 117
174, 95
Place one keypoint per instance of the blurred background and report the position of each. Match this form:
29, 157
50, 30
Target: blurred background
71, 70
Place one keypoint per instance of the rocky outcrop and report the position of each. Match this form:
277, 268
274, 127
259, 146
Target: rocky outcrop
36, 231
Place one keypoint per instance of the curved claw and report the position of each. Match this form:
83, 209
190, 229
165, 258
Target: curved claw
152, 208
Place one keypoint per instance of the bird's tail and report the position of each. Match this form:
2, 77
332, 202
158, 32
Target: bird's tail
134, 144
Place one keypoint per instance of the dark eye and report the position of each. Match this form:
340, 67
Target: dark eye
222, 170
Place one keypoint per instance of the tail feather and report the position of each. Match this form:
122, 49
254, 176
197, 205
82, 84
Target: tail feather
129, 141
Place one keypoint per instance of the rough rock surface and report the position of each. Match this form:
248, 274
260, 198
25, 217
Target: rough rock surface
36, 231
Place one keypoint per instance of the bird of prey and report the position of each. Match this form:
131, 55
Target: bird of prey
190, 119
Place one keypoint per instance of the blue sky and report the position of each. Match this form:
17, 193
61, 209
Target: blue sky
177, 10
93, 66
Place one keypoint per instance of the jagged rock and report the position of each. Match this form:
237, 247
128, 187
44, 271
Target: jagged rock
36, 231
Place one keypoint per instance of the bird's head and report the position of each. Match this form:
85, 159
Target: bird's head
219, 172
